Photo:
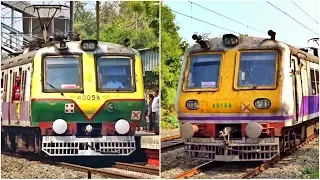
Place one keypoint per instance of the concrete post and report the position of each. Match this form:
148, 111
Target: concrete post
71, 17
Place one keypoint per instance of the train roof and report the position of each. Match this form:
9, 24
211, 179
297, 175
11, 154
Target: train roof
253, 43
73, 46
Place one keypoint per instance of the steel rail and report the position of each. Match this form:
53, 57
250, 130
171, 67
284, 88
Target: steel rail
195, 170
169, 138
171, 142
276, 159
251, 173
137, 168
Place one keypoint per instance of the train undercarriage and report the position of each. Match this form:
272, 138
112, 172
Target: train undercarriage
29, 139
250, 149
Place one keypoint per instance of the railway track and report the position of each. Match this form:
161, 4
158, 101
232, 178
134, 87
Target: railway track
239, 170
172, 142
137, 168
89, 170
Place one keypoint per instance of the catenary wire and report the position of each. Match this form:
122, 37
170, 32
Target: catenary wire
305, 12
227, 17
292, 18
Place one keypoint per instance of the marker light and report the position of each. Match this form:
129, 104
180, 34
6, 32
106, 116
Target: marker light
262, 103
230, 40
63, 45
89, 128
192, 104
110, 107
89, 45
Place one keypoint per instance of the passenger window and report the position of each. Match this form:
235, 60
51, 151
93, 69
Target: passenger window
20, 71
2, 90
10, 86
5, 88
313, 82
23, 84
317, 81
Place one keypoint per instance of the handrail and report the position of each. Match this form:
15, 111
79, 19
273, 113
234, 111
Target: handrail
16, 31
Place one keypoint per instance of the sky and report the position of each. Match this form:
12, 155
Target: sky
257, 14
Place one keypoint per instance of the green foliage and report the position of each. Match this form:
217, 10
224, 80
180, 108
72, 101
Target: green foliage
4, 55
84, 21
309, 173
169, 120
151, 80
172, 50
315, 174
136, 20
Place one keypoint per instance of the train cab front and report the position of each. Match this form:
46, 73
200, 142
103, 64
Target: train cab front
88, 104
227, 104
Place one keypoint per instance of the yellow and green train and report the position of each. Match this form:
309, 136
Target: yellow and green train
77, 98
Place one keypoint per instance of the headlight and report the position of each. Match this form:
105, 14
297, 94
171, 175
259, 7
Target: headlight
122, 126
89, 45
192, 104
253, 130
262, 103
59, 126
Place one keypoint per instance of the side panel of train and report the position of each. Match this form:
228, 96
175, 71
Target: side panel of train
9, 109
86, 108
289, 85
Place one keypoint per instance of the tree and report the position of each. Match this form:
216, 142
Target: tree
136, 20
172, 49
4, 55
84, 21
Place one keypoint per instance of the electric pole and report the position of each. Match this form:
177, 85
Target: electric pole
97, 16
71, 17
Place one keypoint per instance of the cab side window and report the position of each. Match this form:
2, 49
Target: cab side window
314, 81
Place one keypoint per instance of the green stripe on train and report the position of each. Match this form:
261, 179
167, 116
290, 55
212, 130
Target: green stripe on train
50, 110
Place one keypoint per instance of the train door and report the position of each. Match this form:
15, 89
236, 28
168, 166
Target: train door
297, 88
3, 82
5, 101
13, 120
25, 95
304, 83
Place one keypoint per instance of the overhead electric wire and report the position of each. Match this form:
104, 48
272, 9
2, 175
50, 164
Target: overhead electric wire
227, 17
232, 19
292, 18
204, 21
214, 24
305, 12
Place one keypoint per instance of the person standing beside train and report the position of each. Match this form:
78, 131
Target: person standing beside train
149, 114
16, 96
155, 109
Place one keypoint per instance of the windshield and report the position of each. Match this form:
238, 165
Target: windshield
204, 71
257, 69
62, 73
114, 73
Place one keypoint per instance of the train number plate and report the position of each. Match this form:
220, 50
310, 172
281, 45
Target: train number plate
87, 97
218, 105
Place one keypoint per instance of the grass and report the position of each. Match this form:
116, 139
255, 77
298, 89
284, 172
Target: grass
169, 120
310, 173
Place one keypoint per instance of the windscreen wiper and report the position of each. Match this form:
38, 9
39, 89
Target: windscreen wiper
56, 89
124, 83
